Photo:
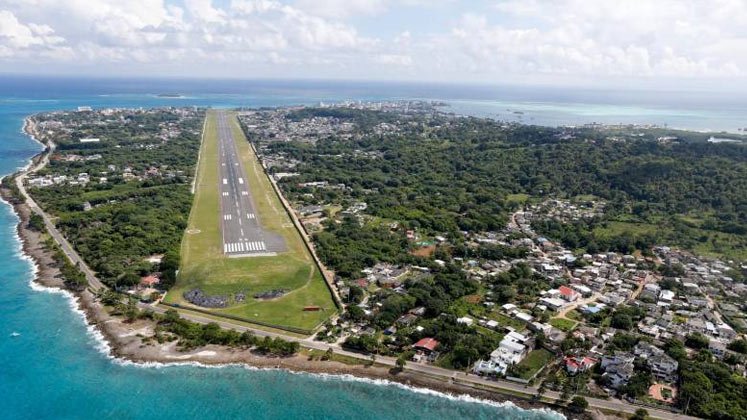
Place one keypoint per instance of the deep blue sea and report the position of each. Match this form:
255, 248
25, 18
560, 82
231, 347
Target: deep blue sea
57, 368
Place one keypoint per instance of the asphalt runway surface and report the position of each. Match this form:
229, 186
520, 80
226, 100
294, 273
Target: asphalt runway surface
243, 235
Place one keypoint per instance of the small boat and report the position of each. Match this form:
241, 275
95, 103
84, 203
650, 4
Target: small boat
15, 334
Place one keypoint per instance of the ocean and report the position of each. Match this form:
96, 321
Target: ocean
53, 366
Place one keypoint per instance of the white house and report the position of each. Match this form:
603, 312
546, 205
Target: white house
510, 351
666, 295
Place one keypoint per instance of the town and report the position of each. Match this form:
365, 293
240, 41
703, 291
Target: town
602, 324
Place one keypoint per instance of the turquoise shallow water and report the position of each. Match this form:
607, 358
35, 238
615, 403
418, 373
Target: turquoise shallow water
56, 369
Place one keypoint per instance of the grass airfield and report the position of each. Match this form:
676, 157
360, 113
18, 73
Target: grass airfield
204, 266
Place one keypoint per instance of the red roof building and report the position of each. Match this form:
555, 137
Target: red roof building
427, 344
576, 365
568, 294
149, 281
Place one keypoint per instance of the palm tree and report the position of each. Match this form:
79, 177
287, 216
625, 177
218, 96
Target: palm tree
400, 363
541, 389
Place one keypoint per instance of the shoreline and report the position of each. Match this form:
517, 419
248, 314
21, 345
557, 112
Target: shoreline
124, 342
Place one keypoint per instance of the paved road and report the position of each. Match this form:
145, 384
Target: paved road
432, 371
93, 281
242, 233
436, 372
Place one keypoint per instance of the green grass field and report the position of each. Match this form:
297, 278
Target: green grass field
563, 324
535, 360
701, 241
506, 321
204, 266
616, 228
518, 198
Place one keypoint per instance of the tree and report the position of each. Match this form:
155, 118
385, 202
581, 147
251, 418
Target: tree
622, 341
696, 391
247, 338
565, 393
541, 389
696, 341
638, 385
675, 349
169, 266
578, 404
356, 313
131, 311
640, 414
111, 298
401, 362
128, 279
356, 295
36, 223
621, 321
463, 356
739, 346
171, 316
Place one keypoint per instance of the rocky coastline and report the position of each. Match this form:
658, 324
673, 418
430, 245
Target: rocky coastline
128, 342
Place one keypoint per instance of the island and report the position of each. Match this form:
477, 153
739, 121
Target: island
590, 269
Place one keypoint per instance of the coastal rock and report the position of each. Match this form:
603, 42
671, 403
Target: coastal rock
199, 298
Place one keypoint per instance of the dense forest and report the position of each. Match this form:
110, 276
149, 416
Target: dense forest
141, 209
449, 175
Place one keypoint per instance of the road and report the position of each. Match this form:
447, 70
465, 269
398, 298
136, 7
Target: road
67, 249
461, 378
429, 370
243, 235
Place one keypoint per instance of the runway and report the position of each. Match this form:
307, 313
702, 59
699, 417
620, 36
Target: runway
241, 227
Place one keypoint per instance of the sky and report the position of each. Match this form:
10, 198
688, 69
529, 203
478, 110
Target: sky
643, 43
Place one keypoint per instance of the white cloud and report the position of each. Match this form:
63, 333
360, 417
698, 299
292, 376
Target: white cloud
339, 9
607, 37
585, 39
149, 30
19, 38
203, 11
394, 59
